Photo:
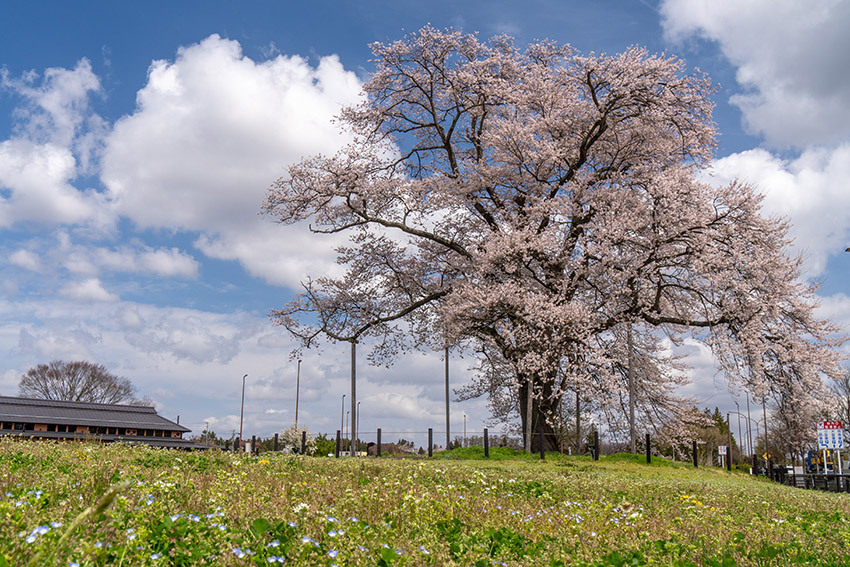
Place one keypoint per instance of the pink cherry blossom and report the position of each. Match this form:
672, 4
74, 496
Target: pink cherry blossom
533, 203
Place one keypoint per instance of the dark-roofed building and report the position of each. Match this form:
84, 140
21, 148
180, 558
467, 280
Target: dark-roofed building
61, 420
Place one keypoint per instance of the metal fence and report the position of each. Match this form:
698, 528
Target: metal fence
831, 482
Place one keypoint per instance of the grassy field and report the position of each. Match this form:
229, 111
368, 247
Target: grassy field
85, 504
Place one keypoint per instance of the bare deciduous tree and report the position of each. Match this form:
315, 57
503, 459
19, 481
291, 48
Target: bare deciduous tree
78, 382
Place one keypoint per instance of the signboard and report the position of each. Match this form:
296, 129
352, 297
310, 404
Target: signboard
831, 435
722, 450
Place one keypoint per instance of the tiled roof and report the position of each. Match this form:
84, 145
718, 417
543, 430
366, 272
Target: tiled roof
83, 413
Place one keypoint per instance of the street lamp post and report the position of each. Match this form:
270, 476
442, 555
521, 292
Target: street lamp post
297, 389
749, 432
353, 391
729, 443
740, 452
448, 425
242, 410
342, 417
766, 446
465, 444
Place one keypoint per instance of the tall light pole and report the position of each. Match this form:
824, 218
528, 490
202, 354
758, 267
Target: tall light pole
750, 432
749, 421
729, 442
353, 390
297, 389
242, 410
464, 431
740, 452
342, 417
448, 425
766, 446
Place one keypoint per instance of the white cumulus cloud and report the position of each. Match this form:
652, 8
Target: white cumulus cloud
167, 262
56, 104
56, 137
38, 179
791, 58
88, 290
25, 259
810, 190
211, 131
794, 73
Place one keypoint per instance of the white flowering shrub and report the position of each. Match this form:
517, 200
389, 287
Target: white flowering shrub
291, 439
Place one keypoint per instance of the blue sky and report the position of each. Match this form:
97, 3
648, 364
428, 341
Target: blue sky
137, 141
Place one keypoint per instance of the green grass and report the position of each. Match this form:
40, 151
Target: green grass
213, 508
496, 454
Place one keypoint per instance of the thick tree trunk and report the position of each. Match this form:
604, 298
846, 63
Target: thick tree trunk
544, 410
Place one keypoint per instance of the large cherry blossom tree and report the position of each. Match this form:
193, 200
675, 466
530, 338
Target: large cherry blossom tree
536, 201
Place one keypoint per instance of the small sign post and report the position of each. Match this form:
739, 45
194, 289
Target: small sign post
723, 455
831, 436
